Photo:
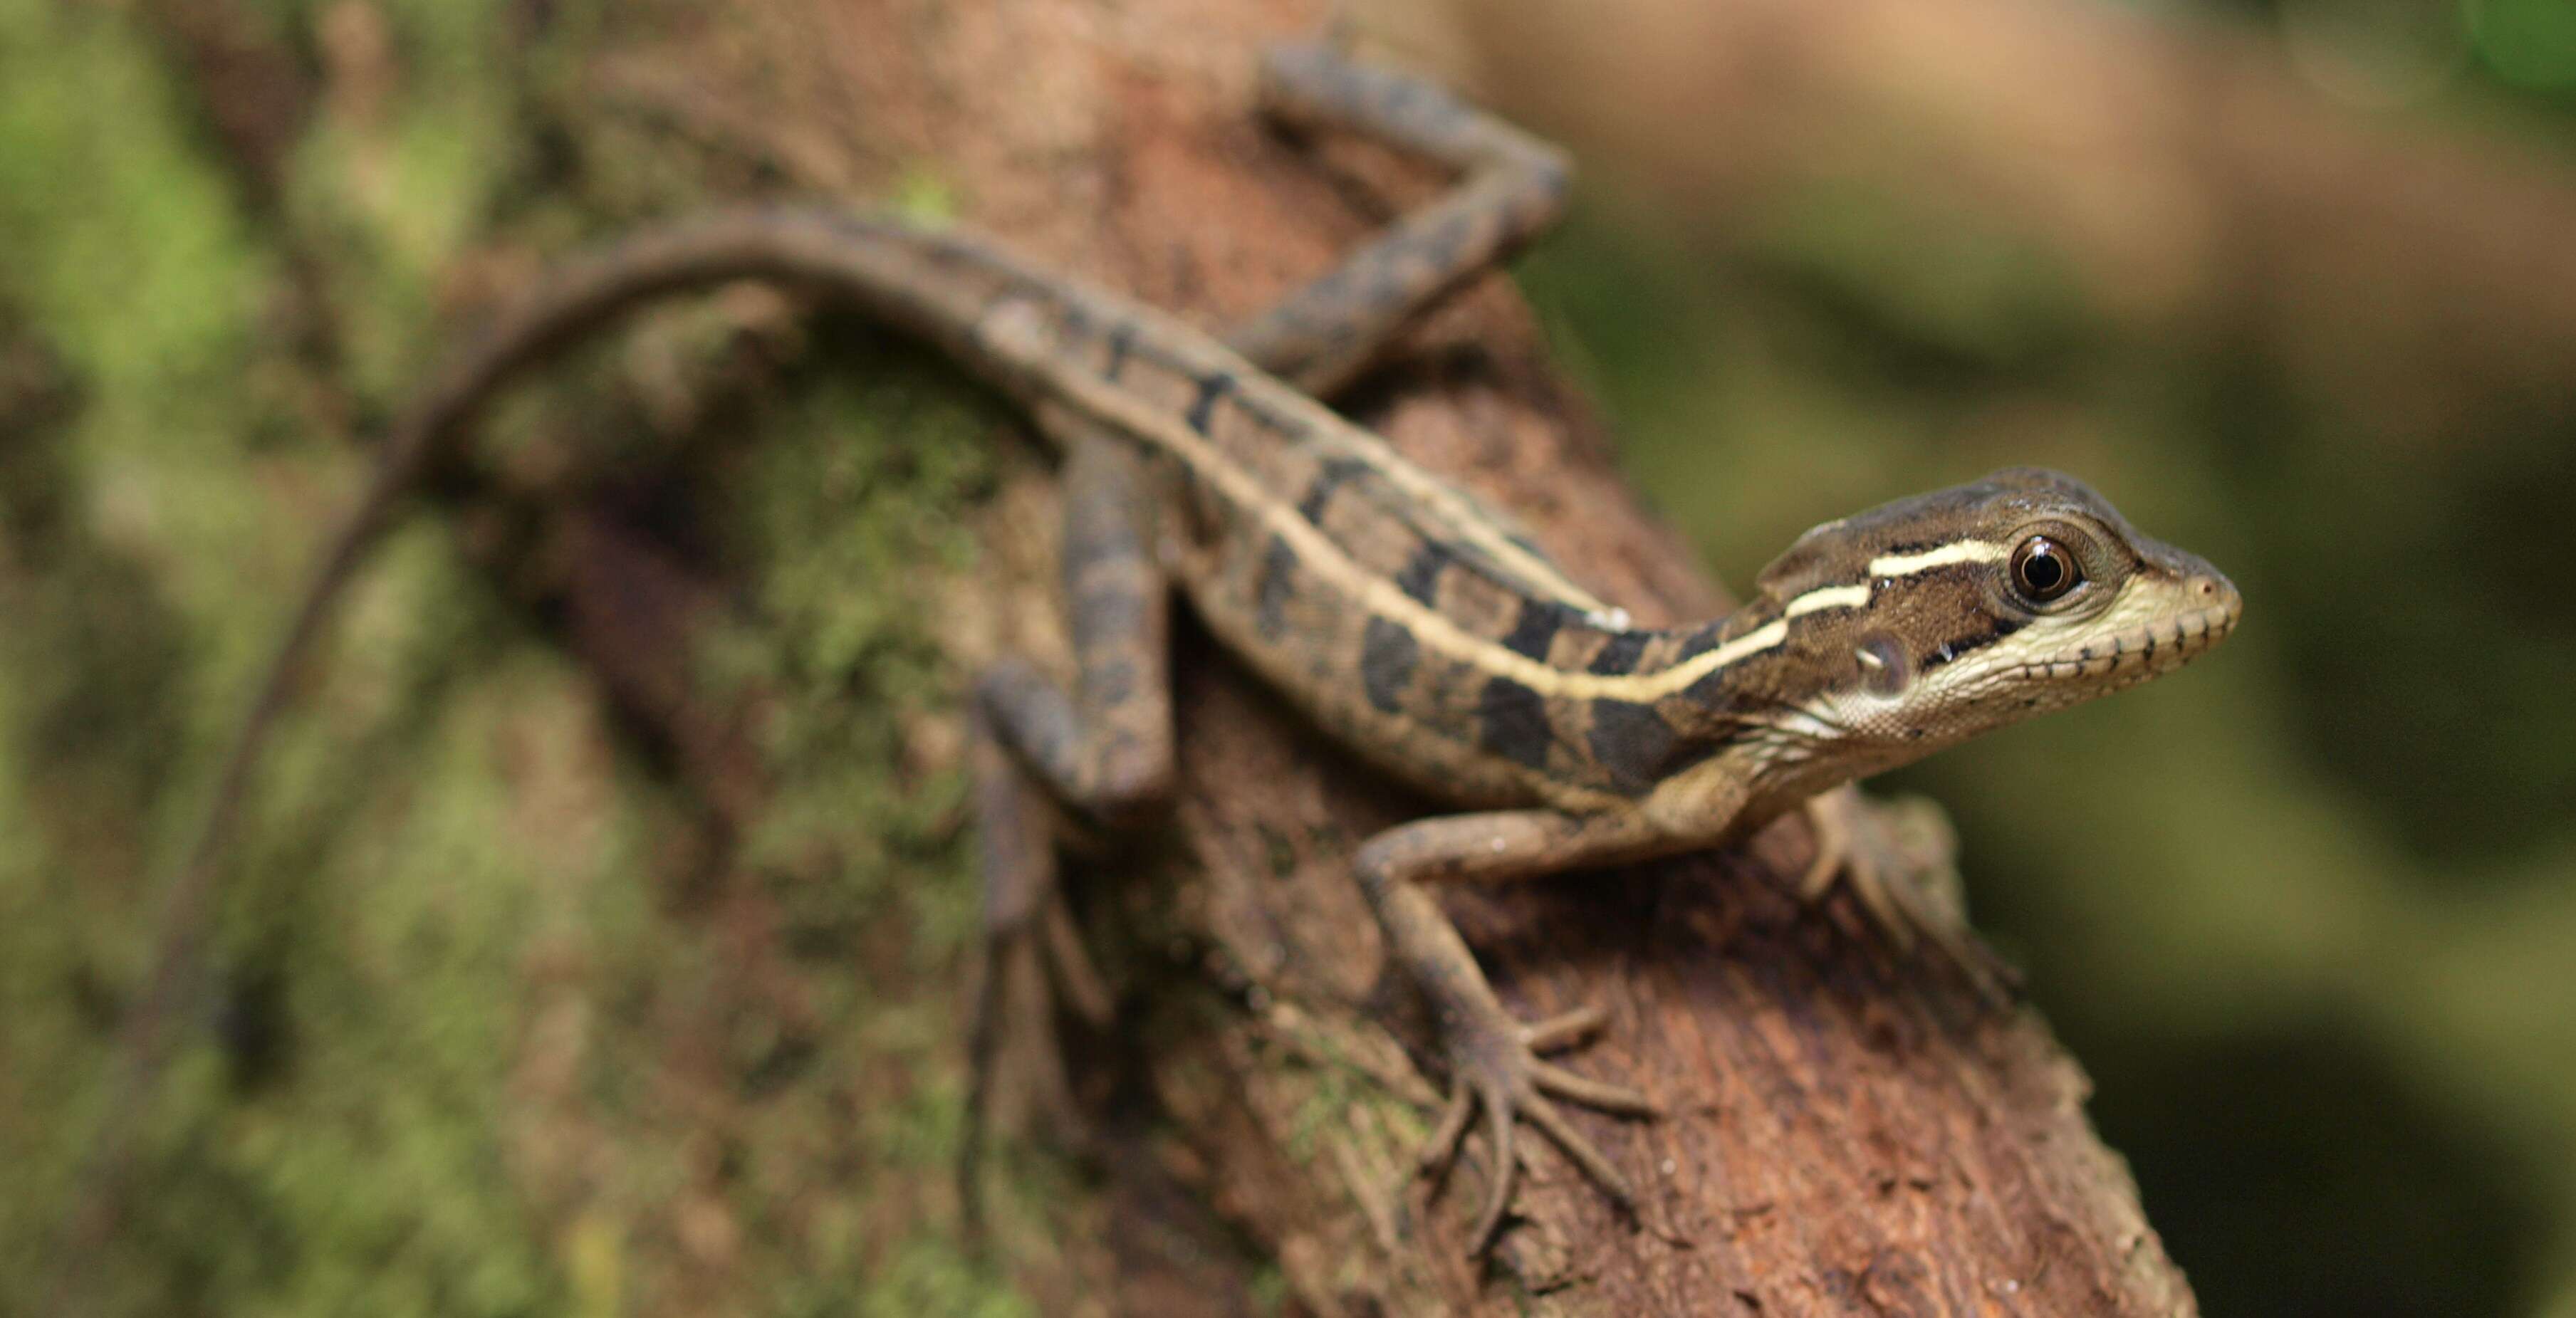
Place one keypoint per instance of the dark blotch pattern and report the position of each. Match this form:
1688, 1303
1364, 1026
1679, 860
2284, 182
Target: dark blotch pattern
1203, 408
1271, 592
1388, 656
1711, 690
1511, 721
1337, 473
1703, 639
1619, 657
1632, 742
1536, 628
1421, 575
1122, 343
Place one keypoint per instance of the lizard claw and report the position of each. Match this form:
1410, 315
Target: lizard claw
1900, 860
1495, 1070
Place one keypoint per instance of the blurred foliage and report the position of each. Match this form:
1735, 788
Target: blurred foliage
2307, 912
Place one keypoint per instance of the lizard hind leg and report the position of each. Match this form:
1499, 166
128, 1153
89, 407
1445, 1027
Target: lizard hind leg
1102, 754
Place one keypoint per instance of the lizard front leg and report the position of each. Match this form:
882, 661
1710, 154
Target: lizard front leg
1493, 1058
1900, 859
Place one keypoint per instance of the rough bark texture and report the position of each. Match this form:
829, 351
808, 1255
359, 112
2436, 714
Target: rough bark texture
1847, 1128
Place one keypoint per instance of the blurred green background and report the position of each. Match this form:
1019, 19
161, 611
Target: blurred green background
2307, 912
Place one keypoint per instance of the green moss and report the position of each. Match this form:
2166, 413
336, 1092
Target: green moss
926, 1275
37, 1034
849, 506
126, 249
387, 201
447, 983
923, 196
122, 240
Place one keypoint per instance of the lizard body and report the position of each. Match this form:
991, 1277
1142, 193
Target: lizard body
1419, 629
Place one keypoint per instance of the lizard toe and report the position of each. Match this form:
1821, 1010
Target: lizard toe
1441, 1148
1564, 1030
1544, 1115
1496, 1073
1561, 1083
1497, 1103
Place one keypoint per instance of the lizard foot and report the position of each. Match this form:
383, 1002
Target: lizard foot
1031, 969
1494, 1066
1900, 859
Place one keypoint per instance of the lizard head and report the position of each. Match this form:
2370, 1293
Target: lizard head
1935, 618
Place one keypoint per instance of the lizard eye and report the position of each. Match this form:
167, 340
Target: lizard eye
2043, 571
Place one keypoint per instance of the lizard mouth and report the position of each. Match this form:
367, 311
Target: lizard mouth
2160, 646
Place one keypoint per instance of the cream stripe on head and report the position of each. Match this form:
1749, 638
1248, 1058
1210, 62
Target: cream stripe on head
1828, 597
1889, 567
1957, 551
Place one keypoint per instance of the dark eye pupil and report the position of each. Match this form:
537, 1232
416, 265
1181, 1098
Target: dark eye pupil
2042, 569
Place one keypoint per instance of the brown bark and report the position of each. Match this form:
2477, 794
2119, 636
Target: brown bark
1846, 1128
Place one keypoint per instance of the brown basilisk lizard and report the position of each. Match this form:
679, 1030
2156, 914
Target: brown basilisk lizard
1418, 628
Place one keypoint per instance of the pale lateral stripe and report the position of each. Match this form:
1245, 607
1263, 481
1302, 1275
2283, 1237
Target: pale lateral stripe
1015, 330
1827, 597
1132, 416
1466, 517
1328, 426
1957, 551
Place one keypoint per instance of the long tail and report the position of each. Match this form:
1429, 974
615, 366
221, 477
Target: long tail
932, 285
